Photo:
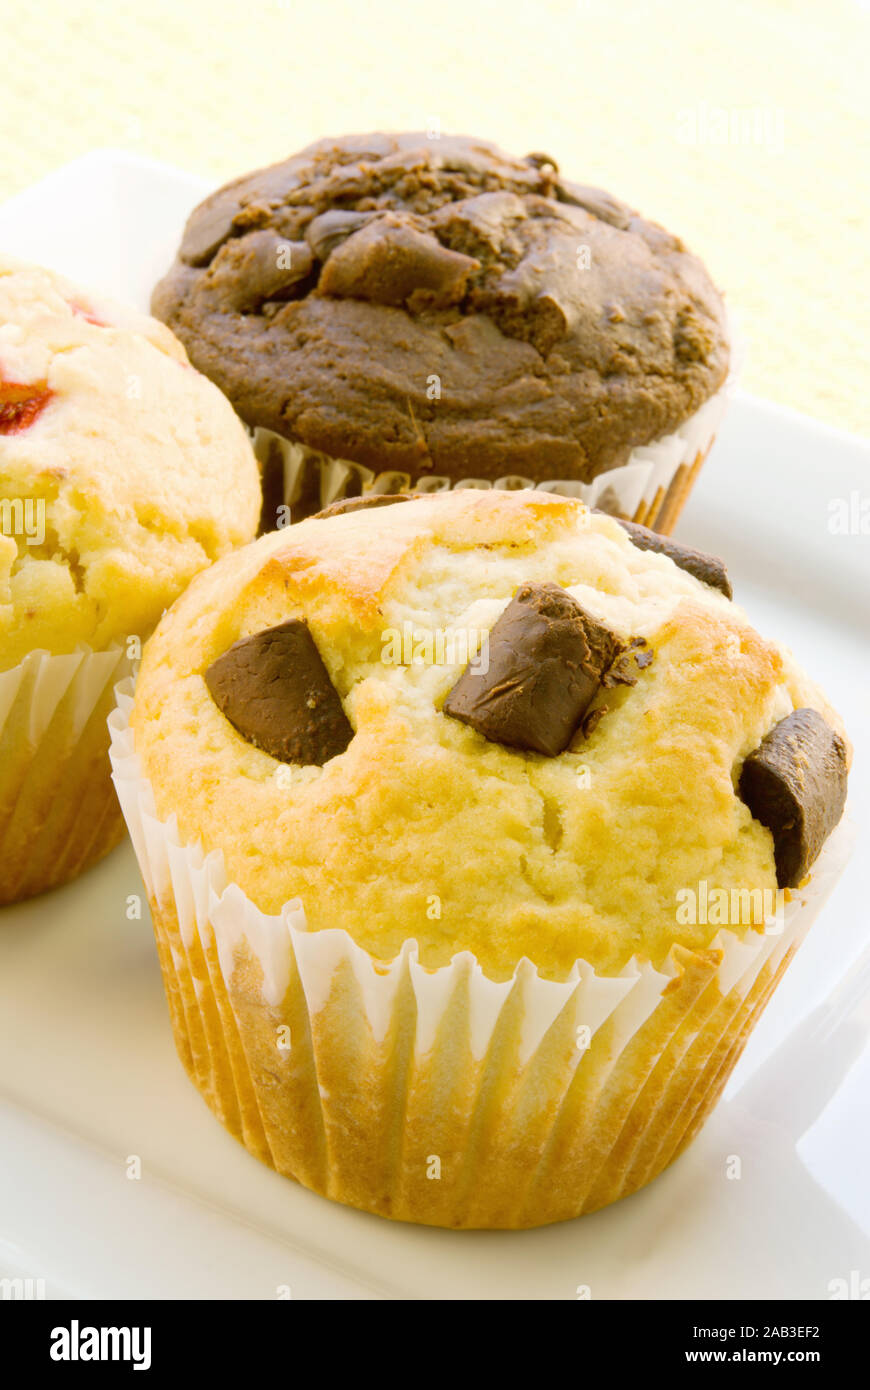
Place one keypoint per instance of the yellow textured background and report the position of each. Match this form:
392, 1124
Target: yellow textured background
627, 95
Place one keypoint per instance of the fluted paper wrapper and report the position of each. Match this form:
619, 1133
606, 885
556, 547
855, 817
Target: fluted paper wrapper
650, 488
438, 1095
58, 809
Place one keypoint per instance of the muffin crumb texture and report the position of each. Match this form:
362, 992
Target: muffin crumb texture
422, 827
122, 471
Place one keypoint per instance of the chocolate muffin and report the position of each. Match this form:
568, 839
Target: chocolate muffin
397, 312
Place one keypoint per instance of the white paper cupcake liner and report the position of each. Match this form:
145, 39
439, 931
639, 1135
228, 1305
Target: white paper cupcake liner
58, 811
538, 1099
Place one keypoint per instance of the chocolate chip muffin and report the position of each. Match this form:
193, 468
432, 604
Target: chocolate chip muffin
393, 312
477, 832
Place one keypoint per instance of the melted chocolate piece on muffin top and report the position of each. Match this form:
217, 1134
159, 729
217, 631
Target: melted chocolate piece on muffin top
709, 569
547, 660
795, 784
275, 690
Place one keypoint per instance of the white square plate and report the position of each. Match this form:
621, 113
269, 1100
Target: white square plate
88, 1073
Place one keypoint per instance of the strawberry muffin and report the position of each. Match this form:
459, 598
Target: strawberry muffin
123, 473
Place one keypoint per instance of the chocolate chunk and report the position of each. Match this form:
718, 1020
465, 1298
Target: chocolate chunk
547, 660
331, 228
209, 226
708, 568
275, 690
634, 657
390, 261
795, 784
595, 201
250, 270
590, 721
359, 504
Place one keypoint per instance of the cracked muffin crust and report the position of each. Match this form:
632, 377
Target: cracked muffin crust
325, 295
578, 855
